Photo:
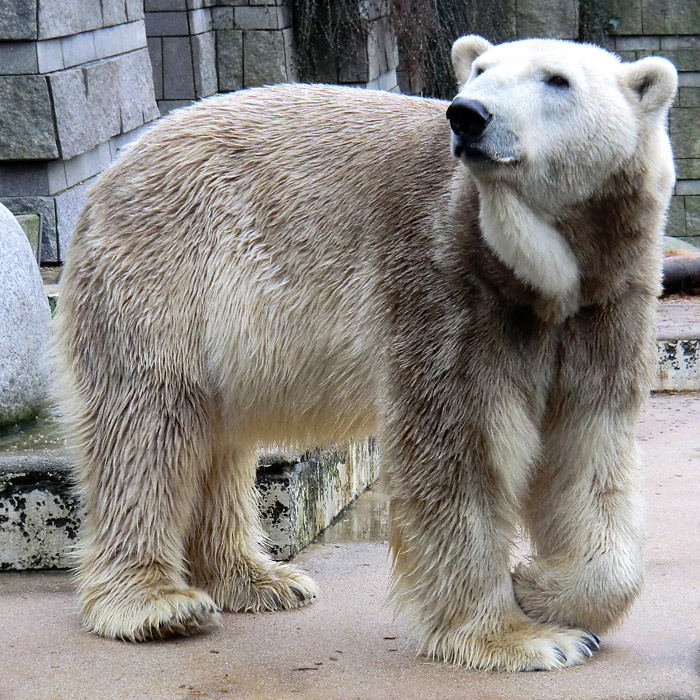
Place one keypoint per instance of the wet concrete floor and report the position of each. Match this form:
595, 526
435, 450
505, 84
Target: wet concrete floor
348, 646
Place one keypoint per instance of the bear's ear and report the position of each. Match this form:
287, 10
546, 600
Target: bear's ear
653, 80
464, 51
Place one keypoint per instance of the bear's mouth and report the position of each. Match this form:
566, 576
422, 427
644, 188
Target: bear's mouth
470, 153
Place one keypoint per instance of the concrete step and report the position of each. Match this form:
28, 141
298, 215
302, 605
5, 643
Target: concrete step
300, 495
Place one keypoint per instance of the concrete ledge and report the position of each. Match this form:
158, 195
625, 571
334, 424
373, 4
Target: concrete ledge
40, 516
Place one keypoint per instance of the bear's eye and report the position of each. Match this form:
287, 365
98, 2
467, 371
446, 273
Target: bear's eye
558, 81
478, 72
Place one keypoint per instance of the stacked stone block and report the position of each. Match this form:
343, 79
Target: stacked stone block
199, 47
75, 87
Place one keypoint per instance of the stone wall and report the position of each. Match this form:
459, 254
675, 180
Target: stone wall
75, 87
199, 47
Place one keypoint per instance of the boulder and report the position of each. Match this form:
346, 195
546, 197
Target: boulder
24, 326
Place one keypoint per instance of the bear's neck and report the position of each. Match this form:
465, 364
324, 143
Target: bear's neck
530, 245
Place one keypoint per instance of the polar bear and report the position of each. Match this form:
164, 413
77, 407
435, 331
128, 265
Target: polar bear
303, 264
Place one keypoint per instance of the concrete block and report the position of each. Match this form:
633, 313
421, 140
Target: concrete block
27, 129
166, 106
167, 24
178, 77
18, 57
155, 52
634, 43
692, 216
68, 205
164, 5
78, 49
684, 128
689, 80
670, 17
688, 187
23, 179
134, 10
109, 41
683, 59
680, 42
49, 55
61, 18
200, 21
18, 19
263, 58
675, 221
136, 96
222, 17
625, 16
689, 96
229, 58
113, 12
86, 165
122, 142
256, 17
204, 60
552, 18
134, 35
46, 208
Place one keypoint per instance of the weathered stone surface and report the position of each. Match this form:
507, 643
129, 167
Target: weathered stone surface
691, 79
18, 57
684, 127
637, 43
229, 56
136, 96
689, 96
102, 99
688, 168
18, 19
26, 122
46, 207
222, 17
692, 215
167, 24
49, 55
134, 10
86, 103
166, 106
354, 67
200, 21
61, 18
31, 225
178, 78
688, 187
260, 17
675, 222
670, 17
77, 49
24, 326
164, 5
263, 58
625, 16
683, 59
290, 55
113, 12
553, 18
155, 53
204, 59
85, 165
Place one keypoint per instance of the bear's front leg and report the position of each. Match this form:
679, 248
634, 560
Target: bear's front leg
455, 476
584, 508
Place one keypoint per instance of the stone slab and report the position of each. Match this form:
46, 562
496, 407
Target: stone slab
551, 18
47, 208
178, 75
155, 53
69, 204
167, 24
692, 215
24, 326
264, 61
18, 19
18, 57
670, 17
62, 18
300, 495
625, 16
229, 57
26, 122
49, 55
684, 128
204, 61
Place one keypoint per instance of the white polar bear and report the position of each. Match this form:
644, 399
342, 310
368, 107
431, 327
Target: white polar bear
307, 263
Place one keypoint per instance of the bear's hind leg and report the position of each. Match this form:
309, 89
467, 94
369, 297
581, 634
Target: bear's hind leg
226, 546
139, 469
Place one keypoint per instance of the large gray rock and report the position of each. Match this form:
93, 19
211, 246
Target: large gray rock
24, 326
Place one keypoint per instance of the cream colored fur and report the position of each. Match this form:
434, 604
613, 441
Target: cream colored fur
302, 264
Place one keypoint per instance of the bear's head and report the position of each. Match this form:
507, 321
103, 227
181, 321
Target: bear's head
556, 119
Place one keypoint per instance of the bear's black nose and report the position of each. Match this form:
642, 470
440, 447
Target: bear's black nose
468, 118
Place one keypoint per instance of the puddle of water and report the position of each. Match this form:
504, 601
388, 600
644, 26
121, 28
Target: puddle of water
367, 519
41, 437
